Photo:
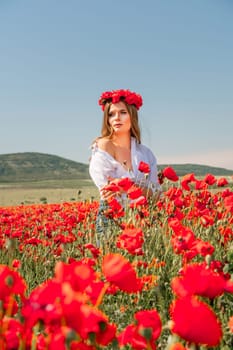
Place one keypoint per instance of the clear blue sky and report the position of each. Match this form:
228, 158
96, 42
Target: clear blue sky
57, 57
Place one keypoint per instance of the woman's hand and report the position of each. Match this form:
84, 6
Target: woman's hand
107, 194
115, 187
110, 190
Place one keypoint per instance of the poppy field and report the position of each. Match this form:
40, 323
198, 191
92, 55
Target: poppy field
160, 276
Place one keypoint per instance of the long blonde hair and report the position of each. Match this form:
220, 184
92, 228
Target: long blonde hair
106, 130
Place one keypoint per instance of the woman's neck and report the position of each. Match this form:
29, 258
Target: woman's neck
122, 140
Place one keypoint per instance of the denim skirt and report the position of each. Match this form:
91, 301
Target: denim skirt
102, 221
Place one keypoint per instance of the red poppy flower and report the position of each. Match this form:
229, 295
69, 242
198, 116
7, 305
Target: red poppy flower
43, 304
125, 183
16, 263
11, 283
94, 290
128, 335
179, 202
226, 232
226, 193
115, 205
228, 202
13, 331
133, 99
209, 179
222, 181
107, 334
144, 333
186, 179
207, 220
78, 345
181, 243
194, 321
200, 185
89, 318
78, 274
170, 174
115, 209
140, 201
130, 97
119, 271
134, 192
173, 192
144, 167
200, 280
95, 251
111, 187
131, 240
203, 248
149, 319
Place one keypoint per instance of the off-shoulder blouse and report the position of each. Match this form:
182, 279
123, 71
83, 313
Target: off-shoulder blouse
103, 165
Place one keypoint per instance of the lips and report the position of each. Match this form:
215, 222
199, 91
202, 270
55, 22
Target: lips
117, 125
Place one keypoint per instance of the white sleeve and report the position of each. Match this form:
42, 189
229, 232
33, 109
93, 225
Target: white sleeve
153, 176
148, 156
100, 168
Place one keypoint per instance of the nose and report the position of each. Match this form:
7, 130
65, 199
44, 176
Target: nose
117, 115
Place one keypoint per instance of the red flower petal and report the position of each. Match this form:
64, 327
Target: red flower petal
170, 174
199, 280
144, 167
195, 322
119, 271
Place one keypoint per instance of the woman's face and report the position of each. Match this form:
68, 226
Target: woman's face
119, 118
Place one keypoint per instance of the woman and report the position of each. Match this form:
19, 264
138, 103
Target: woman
118, 152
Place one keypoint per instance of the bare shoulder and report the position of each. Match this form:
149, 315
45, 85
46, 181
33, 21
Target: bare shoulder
106, 145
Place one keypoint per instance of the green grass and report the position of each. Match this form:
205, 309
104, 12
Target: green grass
67, 183
49, 191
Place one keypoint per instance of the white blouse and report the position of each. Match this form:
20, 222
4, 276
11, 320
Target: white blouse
103, 165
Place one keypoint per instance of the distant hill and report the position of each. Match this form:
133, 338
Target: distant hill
197, 169
33, 166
